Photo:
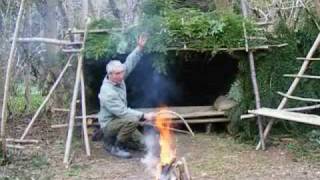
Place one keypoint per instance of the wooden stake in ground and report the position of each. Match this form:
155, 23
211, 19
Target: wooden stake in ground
294, 84
74, 99
47, 98
253, 75
7, 81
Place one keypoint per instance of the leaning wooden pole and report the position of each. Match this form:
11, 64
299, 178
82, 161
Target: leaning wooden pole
7, 81
47, 98
293, 85
84, 115
83, 97
257, 96
253, 75
74, 99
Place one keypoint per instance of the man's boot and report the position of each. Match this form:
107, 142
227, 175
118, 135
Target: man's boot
121, 153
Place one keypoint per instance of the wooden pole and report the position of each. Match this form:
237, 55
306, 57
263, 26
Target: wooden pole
73, 111
299, 98
21, 141
84, 114
253, 75
7, 81
257, 96
47, 40
293, 85
74, 98
47, 98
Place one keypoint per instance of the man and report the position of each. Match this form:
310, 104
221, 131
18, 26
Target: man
118, 121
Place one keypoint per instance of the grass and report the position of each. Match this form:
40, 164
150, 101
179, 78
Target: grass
17, 103
75, 170
38, 161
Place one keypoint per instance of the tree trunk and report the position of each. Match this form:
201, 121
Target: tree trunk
85, 9
51, 30
65, 19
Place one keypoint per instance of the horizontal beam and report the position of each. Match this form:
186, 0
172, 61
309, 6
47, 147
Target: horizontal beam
296, 109
186, 115
191, 121
286, 115
309, 59
21, 140
264, 47
47, 40
77, 124
71, 50
299, 98
15, 146
80, 31
302, 76
60, 109
303, 108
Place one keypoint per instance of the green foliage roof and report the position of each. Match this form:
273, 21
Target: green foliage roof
170, 27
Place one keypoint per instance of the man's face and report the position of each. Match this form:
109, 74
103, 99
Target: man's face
117, 75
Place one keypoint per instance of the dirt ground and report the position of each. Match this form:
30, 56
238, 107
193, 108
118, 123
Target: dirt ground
208, 157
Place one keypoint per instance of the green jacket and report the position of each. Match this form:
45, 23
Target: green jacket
113, 98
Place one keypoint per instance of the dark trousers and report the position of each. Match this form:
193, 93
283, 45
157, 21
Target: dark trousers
123, 133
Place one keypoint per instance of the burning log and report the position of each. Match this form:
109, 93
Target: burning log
176, 170
168, 167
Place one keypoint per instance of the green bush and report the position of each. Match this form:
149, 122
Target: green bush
270, 67
102, 45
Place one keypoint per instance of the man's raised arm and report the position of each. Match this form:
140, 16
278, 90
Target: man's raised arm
135, 56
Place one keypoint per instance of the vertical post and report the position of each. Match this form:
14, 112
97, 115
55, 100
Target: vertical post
253, 74
7, 81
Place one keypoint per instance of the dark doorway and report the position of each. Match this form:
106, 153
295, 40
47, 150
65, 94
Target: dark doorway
195, 79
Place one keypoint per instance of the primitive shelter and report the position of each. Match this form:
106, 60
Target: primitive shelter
189, 82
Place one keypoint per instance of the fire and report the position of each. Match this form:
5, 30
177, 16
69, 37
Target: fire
167, 149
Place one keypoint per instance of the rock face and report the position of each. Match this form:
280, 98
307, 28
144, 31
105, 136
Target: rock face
223, 103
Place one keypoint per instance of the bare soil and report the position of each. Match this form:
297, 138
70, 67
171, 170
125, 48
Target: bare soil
208, 157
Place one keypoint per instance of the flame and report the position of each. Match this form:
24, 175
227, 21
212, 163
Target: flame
167, 151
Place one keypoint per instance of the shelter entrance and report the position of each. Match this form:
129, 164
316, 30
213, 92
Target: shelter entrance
194, 79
